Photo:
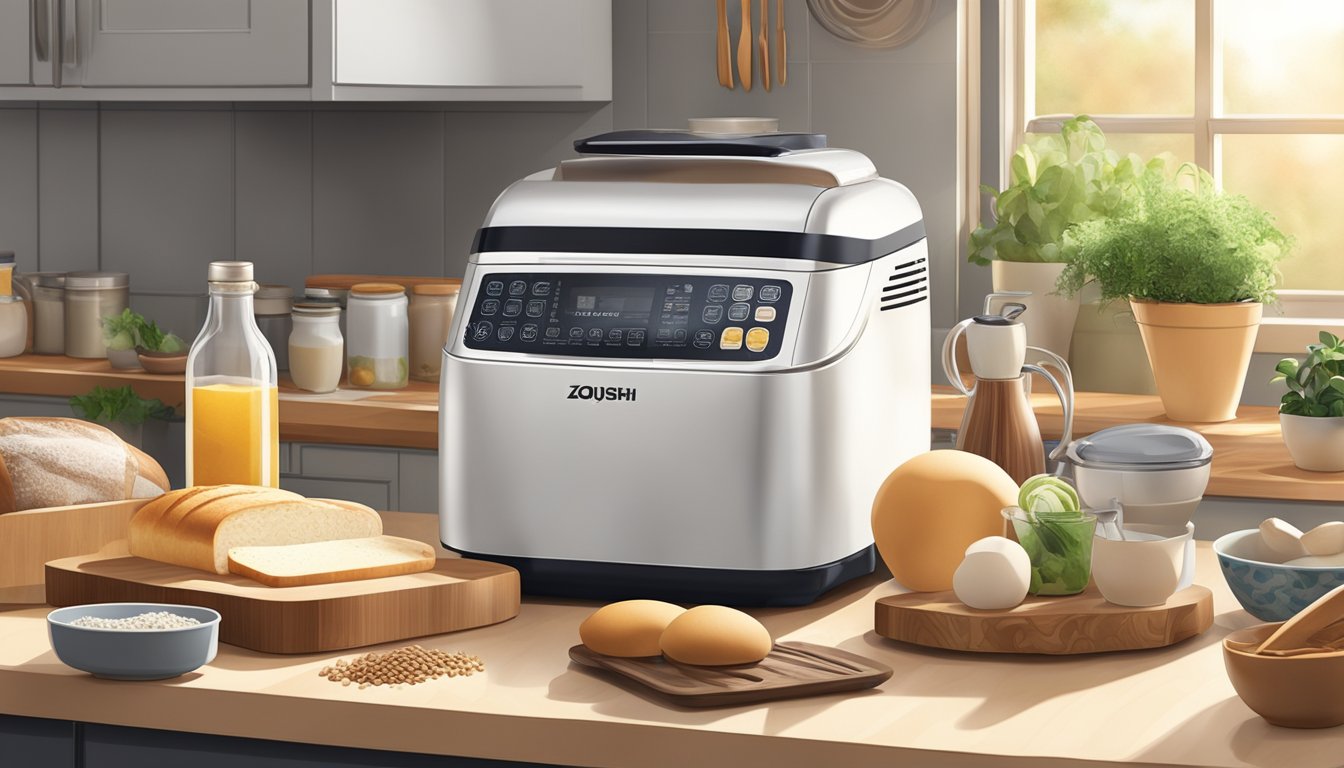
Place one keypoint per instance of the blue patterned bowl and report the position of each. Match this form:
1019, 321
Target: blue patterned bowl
1270, 591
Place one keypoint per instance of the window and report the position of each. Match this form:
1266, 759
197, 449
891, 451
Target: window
1251, 91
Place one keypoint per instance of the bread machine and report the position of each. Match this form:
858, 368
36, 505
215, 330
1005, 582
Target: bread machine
682, 366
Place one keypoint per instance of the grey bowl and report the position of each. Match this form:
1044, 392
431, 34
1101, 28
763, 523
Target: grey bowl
133, 654
1270, 591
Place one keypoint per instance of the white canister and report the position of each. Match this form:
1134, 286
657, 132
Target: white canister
316, 347
90, 297
271, 307
377, 336
13, 326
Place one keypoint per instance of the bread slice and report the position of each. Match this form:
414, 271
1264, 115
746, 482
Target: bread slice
55, 462
326, 562
197, 527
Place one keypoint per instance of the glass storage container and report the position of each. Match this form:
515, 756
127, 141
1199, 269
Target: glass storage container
48, 305
431, 314
233, 425
13, 326
376, 347
90, 297
272, 304
316, 347
6, 273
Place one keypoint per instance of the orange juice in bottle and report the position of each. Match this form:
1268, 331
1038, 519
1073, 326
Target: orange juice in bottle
233, 425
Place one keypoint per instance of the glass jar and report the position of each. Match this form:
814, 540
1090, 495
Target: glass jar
316, 347
48, 305
6, 273
90, 297
13, 326
271, 305
233, 424
378, 336
431, 314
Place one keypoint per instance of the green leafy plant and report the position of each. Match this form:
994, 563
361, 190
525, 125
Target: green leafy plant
1315, 384
1178, 243
130, 329
107, 405
1055, 183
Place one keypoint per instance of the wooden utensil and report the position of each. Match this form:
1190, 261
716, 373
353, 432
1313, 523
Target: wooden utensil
744, 47
723, 47
763, 43
781, 44
790, 671
1297, 632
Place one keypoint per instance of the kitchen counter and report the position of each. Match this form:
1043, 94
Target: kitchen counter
1168, 706
1250, 459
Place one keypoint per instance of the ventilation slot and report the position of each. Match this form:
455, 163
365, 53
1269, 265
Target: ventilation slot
908, 284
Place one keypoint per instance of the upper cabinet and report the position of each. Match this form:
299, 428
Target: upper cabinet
297, 50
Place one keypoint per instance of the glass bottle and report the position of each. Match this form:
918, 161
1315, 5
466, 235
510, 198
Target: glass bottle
233, 424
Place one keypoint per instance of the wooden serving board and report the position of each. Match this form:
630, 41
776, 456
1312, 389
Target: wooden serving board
457, 594
1083, 623
791, 670
30, 538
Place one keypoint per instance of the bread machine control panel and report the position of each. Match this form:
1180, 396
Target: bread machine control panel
687, 317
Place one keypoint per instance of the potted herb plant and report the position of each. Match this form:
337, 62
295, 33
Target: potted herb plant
120, 410
1311, 414
1196, 266
129, 336
1055, 183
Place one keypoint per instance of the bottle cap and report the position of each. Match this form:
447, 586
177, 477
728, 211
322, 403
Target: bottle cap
229, 272
6, 258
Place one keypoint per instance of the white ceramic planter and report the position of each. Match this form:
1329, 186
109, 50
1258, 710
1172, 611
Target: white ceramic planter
1049, 318
1315, 443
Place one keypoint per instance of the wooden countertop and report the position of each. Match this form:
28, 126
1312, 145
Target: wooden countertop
1168, 706
1250, 460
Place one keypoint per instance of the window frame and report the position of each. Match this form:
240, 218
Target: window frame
1299, 314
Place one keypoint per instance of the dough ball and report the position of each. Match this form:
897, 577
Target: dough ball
994, 575
713, 636
628, 628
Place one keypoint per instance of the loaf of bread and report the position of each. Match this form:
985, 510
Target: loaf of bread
196, 527
327, 562
52, 462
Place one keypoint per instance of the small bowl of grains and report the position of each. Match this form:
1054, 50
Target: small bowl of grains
134, 641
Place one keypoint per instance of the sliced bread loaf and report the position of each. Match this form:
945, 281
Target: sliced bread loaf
326, 562
54, 462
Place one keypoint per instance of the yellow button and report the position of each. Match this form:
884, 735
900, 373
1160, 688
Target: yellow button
765, 314
731, 338
757, 338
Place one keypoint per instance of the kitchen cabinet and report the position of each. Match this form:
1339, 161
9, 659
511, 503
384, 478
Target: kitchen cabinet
382, 478
16, 29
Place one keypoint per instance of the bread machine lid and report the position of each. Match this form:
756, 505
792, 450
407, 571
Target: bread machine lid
1141, 447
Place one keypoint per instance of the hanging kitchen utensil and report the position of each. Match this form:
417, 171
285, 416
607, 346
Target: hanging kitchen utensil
744, 47
763, 42
781, 44
724, 48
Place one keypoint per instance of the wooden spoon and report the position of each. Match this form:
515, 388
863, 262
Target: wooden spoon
763, 42
1299, 631
725, 61
781, 44
744, 47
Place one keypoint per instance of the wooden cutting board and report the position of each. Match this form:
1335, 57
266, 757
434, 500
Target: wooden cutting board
30, 538
1083, 623
790, 671
457, 594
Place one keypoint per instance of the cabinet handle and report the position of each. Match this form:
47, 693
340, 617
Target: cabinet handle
68, 26
41, 29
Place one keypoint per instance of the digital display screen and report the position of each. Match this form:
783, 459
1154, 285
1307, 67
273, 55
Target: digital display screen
609, 301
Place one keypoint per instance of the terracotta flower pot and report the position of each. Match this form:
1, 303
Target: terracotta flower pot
1199, 354
1316, 443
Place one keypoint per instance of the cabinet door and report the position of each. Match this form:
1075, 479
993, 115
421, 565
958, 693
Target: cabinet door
184, 43
16, 33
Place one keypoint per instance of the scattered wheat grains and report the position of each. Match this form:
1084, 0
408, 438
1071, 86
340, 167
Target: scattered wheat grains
412, 665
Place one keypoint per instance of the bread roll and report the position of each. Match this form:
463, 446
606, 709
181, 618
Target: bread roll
53, 462
629, 628
326, 562
713, 635
196, 527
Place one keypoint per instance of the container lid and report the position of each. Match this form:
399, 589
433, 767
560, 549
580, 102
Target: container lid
7, 299
436, 289
88, 280
272, 291
377, 289
47, 279
1143, 447
325, 293
6, 258
229, 272
313, 309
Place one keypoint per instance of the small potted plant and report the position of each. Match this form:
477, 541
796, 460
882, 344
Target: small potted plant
1055, 183
1196, 266
120, 410
1311, 414
130, 339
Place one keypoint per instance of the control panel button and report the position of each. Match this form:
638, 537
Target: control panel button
513, 308
518, 288
483, 330
681, 307
742, 292
704, 339
529, 332
615, 335
489, 307
765, 314
712, 314
737, 313
731, 338
771, 293
718, 292
576, 333
542, 288
757, 339
635, 338
679, 335
664, 334
494, 288
536, 308
505, 333
594, 334
553, 332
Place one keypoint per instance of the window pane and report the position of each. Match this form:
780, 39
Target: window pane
1146, 145
1278, 59
1288, 176
1115, 57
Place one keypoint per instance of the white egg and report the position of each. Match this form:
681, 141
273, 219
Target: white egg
1324, 561
994, 574
1282, 539
1324, 539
